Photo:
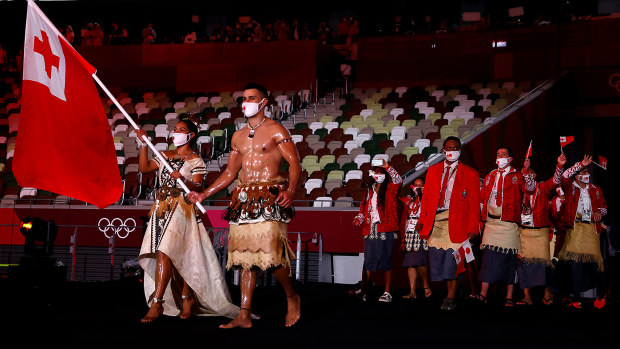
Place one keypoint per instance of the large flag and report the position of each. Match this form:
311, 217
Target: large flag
566, 140
64, 141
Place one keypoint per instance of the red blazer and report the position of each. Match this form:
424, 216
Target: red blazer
571, 201
389, 214
464, 202
514, 186
545, 191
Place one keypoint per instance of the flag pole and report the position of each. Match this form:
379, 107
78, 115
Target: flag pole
597, 164
145, 139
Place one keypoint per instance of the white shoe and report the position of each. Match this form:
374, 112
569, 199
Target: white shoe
387, 297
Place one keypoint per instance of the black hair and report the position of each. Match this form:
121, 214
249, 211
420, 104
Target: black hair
191, 126
508, 149
382, 186
262, 89
451, 138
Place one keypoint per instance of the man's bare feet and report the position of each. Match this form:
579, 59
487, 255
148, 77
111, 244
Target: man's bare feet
154, 313
243, 320
188, 306
294, 310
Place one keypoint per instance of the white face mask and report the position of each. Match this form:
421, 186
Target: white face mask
379, 177
584, 178
502, 162
180, 139
452, 155
250, 109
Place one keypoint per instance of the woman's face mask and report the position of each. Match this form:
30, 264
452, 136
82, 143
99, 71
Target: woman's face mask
378, 177
180, 139
584, 178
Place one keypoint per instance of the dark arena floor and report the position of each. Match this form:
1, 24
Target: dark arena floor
108, 313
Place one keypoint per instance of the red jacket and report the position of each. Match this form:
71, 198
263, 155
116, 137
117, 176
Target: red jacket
409, 205
389, 214
545, 191
571, 201
515, 184
464, 202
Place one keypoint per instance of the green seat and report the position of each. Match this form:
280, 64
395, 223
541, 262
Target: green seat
330, 167
326, 159
408, 151
301, 126
340, 119
322, 132
312, 168
427, 151
378, 137
348, 167
336, 174
373, 151
369, 144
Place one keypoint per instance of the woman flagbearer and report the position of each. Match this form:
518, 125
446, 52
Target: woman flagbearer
182, 275
534, 266
415, 257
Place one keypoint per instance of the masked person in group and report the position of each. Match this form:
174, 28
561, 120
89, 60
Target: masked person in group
261, 204
502, 196
580, 263
378, 217
449, 215
415, 256
182, 275
534, 265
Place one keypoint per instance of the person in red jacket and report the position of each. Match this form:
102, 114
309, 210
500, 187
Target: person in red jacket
449, 215
580, 261
534, 263
415, 256
378, 217
502, 196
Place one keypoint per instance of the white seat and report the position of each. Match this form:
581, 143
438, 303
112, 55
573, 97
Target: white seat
467, 104
27, 191
223, 115
178, 105
450, 116
422, 143
118, 146
399, 130
484, 92
312, 183
396, 138
214, 99
467, 116
331, 125
460, 98
120, 160
484, 103
426, 111
353, 174
438, 94
348, 145
381, 156
397, 111
297, 138
458, 110
400, 90
352, 131
161, 146
203, 139
361, 138
202, 99
237, 94
361, 159
171, 116
365, 113
315, 126
322, 201
421, 104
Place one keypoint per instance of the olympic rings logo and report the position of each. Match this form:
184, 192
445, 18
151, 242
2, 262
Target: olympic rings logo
115, 226
614, 81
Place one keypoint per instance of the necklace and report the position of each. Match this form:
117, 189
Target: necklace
252, 128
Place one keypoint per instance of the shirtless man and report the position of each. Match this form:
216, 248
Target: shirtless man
260, 207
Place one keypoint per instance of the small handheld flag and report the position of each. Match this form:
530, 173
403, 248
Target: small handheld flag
529, 151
